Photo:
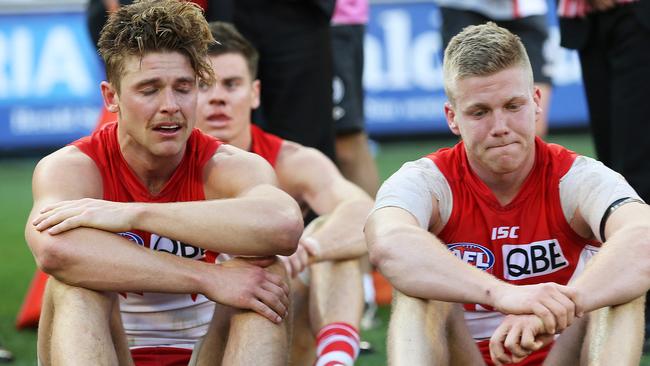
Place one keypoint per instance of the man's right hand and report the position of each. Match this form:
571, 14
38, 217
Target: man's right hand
246, 286
555, 304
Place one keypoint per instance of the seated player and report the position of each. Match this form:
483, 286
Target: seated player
505, 223
328, 298
124, 216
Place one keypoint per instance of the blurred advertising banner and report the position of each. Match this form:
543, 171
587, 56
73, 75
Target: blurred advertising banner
403, 72
49, 79
50, 74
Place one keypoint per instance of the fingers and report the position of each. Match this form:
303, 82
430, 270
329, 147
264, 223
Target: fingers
497, 350
311, 245
548, 319
59, 220
264, 310
513, 344
273, 301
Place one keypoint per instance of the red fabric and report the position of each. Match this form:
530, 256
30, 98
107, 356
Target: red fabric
542, 247
265, 144
30, 310
161, 356
535, 359
349, 345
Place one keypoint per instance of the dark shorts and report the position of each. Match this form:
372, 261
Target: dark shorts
347, 85
532, 30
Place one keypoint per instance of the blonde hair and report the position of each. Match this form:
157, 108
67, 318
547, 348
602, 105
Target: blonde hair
482, 50
155, 26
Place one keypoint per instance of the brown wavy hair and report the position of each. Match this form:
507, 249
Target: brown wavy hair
229, 40
155, 26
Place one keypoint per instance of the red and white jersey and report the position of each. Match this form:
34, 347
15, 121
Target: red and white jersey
266, 145
527, 241
155, 319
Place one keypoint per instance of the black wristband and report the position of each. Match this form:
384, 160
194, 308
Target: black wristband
613, 207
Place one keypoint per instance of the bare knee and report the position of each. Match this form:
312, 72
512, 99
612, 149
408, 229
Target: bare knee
61, 293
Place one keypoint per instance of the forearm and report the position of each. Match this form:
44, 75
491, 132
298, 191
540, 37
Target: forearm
619, 273
419, 265
103, 261
341, 236
271, 226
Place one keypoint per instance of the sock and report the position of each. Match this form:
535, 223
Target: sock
337, 344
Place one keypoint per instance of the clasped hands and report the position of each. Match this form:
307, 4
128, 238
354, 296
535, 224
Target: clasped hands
536, 313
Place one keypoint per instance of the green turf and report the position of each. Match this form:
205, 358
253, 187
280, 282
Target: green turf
17, 265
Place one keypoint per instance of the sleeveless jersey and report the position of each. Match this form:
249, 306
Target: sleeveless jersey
154, 319
266, 145
528, 241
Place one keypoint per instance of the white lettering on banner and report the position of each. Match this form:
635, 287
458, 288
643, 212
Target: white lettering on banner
60, 63
414, 108
52, 121
409, 61
564, 64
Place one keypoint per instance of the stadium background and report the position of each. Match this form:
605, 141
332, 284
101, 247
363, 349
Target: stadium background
49, 96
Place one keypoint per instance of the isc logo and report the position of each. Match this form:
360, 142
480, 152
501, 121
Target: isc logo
534, 259
474, 254
175, 247
505, 232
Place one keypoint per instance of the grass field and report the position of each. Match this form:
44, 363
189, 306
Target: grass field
17, 265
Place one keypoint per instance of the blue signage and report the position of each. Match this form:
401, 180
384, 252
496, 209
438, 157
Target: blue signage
50, 75
403, 72
49, 80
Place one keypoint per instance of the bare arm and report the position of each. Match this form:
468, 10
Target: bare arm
309, 175
103, 261
245, 214
620, 272
419, 265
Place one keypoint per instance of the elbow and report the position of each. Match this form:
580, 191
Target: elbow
49, 257
380, 255
288, 229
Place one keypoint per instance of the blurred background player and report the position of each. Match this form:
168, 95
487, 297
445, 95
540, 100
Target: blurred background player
353, 155
328, 293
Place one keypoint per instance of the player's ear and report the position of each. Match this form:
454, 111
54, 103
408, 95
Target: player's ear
450, 115
255, 93
111, 99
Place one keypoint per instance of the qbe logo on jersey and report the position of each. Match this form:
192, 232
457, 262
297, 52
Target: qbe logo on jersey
474, 254
530, 260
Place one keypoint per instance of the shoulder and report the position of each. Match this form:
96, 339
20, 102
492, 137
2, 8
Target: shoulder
68, 172
233, 169
294, 154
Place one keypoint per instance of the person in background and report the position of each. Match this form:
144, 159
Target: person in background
527, 19
327, 288
612, 38
353, 155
